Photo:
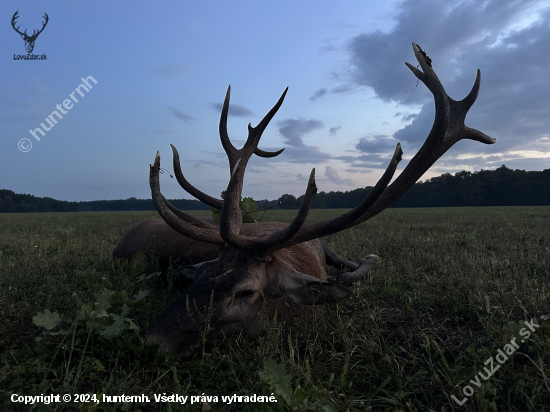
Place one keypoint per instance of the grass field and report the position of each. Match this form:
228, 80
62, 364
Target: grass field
451, 288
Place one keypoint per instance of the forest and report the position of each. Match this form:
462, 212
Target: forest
500, 187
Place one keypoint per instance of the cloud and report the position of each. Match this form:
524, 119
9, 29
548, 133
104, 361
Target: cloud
376, 144
319, 93
234, 110
28, 105
334, 130
293, 130
515, 92
180, 115
206, 162
370, 161
305, 155
162, 131
332, 175
252, 169
512, 159
342, 89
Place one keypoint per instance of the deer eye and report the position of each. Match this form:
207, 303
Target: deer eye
244, 294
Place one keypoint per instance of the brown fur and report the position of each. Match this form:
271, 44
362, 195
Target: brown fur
307, 258
155, 237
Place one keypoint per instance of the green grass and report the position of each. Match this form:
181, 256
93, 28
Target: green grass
449, 290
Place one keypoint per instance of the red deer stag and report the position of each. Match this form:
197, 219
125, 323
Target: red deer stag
256, 268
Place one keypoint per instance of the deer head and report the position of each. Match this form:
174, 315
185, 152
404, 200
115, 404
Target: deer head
268, 262
29, 40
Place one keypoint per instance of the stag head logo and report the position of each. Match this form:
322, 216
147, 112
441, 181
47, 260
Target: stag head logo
29, 40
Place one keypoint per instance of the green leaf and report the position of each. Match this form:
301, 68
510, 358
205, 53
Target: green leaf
279, 381
138, 269
132, 325
125, 310
140, 295
96, 323
91, 311
103, 297
248, 205
249, 209
215, 213
249, 218
116, 329
136, 266
98, 365
47, 319
119, 298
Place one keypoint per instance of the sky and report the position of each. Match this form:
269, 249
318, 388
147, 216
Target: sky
157, 74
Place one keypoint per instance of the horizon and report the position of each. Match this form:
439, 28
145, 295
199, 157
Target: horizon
265, 199
155, 75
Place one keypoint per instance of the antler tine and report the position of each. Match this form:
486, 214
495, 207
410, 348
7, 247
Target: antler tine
224, 137
182, 222
271, 243
255, 133
448, 128
15, 17
348, 219
189, 188
263, 153
185, 217
43, 24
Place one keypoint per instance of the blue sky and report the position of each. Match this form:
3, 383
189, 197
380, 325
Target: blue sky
162, 70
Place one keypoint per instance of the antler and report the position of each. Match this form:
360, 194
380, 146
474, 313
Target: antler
43, 26
178, 220
230, 219
15, 16
448, 128
34, 33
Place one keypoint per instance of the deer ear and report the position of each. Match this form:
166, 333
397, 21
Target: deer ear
188, 271
316, 293
308, 290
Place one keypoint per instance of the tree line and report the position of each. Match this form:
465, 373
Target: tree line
500, 187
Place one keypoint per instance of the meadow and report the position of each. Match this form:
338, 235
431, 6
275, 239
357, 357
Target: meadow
451, 288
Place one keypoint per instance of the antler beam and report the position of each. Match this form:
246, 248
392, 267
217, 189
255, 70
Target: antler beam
448, 128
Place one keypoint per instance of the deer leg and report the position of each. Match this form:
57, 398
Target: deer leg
357, 271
